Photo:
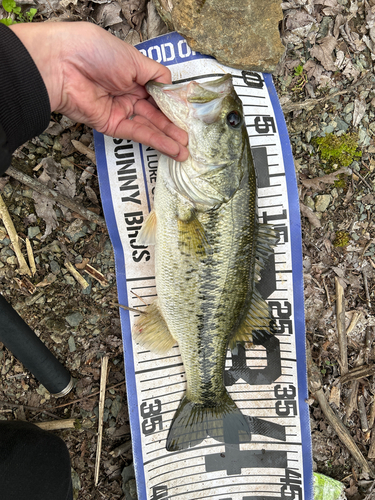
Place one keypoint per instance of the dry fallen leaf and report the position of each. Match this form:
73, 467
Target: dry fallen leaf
318, 183
323, 52
307, 212
359, 111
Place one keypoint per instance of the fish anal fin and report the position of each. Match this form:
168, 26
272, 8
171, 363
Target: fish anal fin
147, 235
192, 239
257, 318
151, 331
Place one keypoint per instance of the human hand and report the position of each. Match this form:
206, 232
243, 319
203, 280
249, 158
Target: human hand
97, 79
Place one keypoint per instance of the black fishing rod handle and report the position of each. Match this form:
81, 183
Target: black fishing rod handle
18, 337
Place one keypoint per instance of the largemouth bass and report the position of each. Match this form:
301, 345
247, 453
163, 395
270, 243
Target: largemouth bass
209, 251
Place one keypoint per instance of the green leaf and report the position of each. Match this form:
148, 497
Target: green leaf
9, 5
30, 14
17, 10
7, 21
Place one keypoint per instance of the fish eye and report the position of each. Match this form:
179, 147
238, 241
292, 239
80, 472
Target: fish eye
234, 119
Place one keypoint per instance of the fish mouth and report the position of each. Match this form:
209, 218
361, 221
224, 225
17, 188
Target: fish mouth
182, 100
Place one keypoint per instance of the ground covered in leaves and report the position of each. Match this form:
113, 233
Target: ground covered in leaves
326, 86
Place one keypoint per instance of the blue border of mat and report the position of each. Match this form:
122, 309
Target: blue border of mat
298, 295
131, 389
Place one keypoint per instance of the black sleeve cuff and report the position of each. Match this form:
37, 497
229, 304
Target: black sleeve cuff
24, 103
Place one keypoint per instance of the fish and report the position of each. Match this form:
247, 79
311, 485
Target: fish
209, 251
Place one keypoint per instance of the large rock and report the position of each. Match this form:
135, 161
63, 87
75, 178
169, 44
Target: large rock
239, 33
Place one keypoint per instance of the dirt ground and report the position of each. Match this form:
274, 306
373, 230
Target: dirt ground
325, 84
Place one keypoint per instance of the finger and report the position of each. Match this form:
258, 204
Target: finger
157, 118
140, 130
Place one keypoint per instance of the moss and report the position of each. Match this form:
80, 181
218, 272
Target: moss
342, 239
338, 150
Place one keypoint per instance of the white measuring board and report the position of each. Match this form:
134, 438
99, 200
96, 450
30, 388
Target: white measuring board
268, 382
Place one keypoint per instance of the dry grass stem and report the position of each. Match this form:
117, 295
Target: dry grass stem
68, 423
13, 236
73, 271
103, 383
30, 256
341, 330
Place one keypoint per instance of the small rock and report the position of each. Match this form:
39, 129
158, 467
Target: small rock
321, 202
74, 319
12, 260
128, 476
116, 406
55, 268
72, 344
57, 145
309, 202
66, 163
46, 139
32, 231
69, 279
76, 483
56, 338
27, 193
94, 319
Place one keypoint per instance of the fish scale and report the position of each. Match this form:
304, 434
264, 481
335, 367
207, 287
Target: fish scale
208, 254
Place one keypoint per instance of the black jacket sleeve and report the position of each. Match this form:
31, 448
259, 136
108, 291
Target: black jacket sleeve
24, 102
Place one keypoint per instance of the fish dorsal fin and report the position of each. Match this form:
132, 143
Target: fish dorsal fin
258, 316
147, 235
151, 331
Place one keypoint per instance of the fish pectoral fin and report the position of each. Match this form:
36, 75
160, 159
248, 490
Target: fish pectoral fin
147, 235
151, 331
258, 317
192, 238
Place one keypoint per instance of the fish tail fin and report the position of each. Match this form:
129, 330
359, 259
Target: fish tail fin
192, 423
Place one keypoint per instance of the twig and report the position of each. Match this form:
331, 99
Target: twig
26, 407
362, 413
315, 386
368, 342
371, 451
357, 373
73, 271
103, 383
366, 289
67, 423
341, 331
55, 196
133, 309
9, 226
97, 275
352, 402
327, 292
30, 256
89, 395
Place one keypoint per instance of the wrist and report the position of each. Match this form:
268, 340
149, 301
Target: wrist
39, 41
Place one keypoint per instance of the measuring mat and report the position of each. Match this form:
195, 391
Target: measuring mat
269, 382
